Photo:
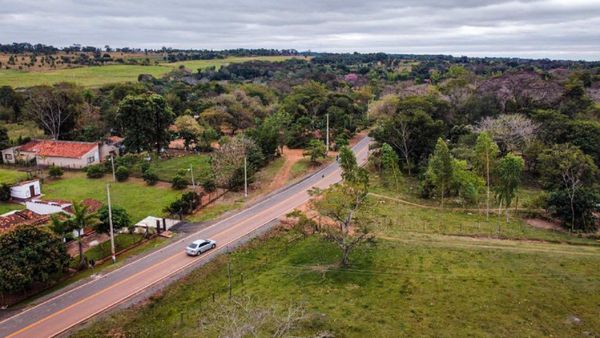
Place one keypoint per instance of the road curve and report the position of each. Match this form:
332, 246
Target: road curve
68, 309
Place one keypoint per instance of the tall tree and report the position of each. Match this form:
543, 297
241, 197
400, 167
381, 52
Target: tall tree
55, 109
316, 150
346, 205
145, 119
189, 129
486, 152
509, 171
412, 134
566, 168
4, 140
390, 171
80, 220
348, 163
440, 168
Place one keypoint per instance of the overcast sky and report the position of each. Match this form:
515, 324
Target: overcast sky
561, 29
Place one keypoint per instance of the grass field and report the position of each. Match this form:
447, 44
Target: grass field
194, 65
392, 289
417, 279
167, 169
22, 129
94, 76
139, 199
11, 176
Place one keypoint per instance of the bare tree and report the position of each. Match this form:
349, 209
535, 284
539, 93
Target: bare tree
243, 317
514, 132
344, 204
54, 108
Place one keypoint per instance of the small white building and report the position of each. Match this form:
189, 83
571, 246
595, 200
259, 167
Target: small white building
149, 223
26, 190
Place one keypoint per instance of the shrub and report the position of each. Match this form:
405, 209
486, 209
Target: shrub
179, 182
150, 177
122, 173
185, 205
55, 171
144, 166
209, 184
94, 171
4, 192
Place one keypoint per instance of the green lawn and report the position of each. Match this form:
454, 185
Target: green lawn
10, 176
93, 76
6, 207
392, 289
139, 199
22, 129
167, 169
86, 76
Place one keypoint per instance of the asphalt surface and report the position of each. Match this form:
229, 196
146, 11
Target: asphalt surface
72, 307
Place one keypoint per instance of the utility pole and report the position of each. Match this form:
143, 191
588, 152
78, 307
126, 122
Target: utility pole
112, 162
110, 223
245, 177
327, 136
193, 182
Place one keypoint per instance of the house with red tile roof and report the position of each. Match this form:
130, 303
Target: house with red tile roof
65, 154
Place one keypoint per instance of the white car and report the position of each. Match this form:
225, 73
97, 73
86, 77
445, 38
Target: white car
199, 246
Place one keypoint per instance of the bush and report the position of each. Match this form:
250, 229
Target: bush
184, 205
94, 171
209, 184
178, 182
122, 173
4, 192
144, 166
120, 219
150, 177
55, 171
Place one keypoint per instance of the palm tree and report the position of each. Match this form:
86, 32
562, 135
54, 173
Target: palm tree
82, 219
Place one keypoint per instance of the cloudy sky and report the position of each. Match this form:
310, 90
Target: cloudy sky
561, 29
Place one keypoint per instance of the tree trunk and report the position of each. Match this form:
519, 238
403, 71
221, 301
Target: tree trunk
345, 256
80, 243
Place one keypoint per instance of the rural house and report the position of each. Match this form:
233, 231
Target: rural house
65, 154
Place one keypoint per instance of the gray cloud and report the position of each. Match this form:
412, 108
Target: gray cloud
565, 29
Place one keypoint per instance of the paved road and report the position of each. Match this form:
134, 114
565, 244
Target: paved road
66, 310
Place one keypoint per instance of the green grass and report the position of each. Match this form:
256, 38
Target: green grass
167, 169
9, 176
22, 129
93, 76
300, 168
392, 289
139, 199
6, 207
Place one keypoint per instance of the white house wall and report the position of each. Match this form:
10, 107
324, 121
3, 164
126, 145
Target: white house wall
23, 192
74, 163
